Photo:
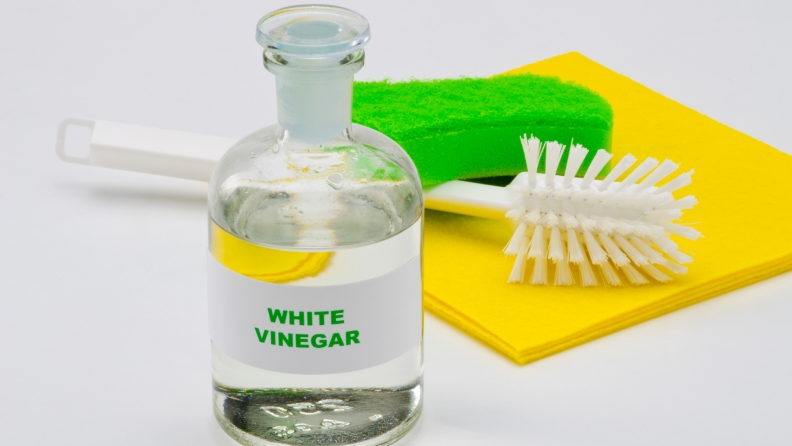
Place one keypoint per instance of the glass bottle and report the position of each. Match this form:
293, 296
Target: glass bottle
315, 255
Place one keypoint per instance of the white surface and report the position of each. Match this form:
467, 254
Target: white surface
103, 333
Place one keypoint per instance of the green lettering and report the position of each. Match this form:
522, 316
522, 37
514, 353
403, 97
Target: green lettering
300, 318
321, 315
272, 338
322, 341
352, 337
310, 318
337, 317
336, 340
302, 340
262, 337
283, 339
277, 314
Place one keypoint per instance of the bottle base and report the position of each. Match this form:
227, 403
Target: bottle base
364, 417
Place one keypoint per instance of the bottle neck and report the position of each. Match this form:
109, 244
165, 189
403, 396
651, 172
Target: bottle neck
314, 97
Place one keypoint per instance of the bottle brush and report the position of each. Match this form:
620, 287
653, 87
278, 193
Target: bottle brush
596, 225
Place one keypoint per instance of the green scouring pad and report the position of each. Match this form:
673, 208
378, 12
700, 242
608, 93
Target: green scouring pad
469, 128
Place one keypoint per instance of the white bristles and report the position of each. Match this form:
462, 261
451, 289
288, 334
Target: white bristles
634, 255
533, 218
625, 163
516, 213
640, 229
610, 276
665, 244
578, 195
642, 200
577, 154
538, 245
679, 257
518, 270
531, 148
587, 276
633, 275
539, 276
639, 172
597, 164
673, 267
646, 250
542, 192
561, 195
524, 143
603, 224
682, 231
513, 247
677, 183
563, 273
665, 169
613, 251
594, 249
654, 230
553, 154
611, 198
682, 204
556, 253
670, 249
575, 250
587, 223
569, 220
655, 273
665, 214
624, 228
550, 219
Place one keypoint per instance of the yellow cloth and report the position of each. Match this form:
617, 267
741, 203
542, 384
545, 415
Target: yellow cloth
742, 188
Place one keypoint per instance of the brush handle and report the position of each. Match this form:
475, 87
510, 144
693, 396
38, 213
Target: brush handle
193, 156
145, 149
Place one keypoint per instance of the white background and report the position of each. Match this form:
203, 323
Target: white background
103, 336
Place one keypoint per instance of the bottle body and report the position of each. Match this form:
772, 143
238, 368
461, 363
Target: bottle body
330, 222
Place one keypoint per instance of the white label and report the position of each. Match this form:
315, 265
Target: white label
315, 329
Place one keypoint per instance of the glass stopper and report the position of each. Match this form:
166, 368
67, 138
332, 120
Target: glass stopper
313, 31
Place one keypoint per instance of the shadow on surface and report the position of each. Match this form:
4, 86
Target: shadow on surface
189, 193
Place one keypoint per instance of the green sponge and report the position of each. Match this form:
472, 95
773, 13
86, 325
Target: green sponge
469, 128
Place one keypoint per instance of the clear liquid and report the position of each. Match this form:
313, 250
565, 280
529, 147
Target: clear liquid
371, 406
309, 416
269, 192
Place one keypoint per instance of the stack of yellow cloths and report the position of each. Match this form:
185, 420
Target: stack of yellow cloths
743, 192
